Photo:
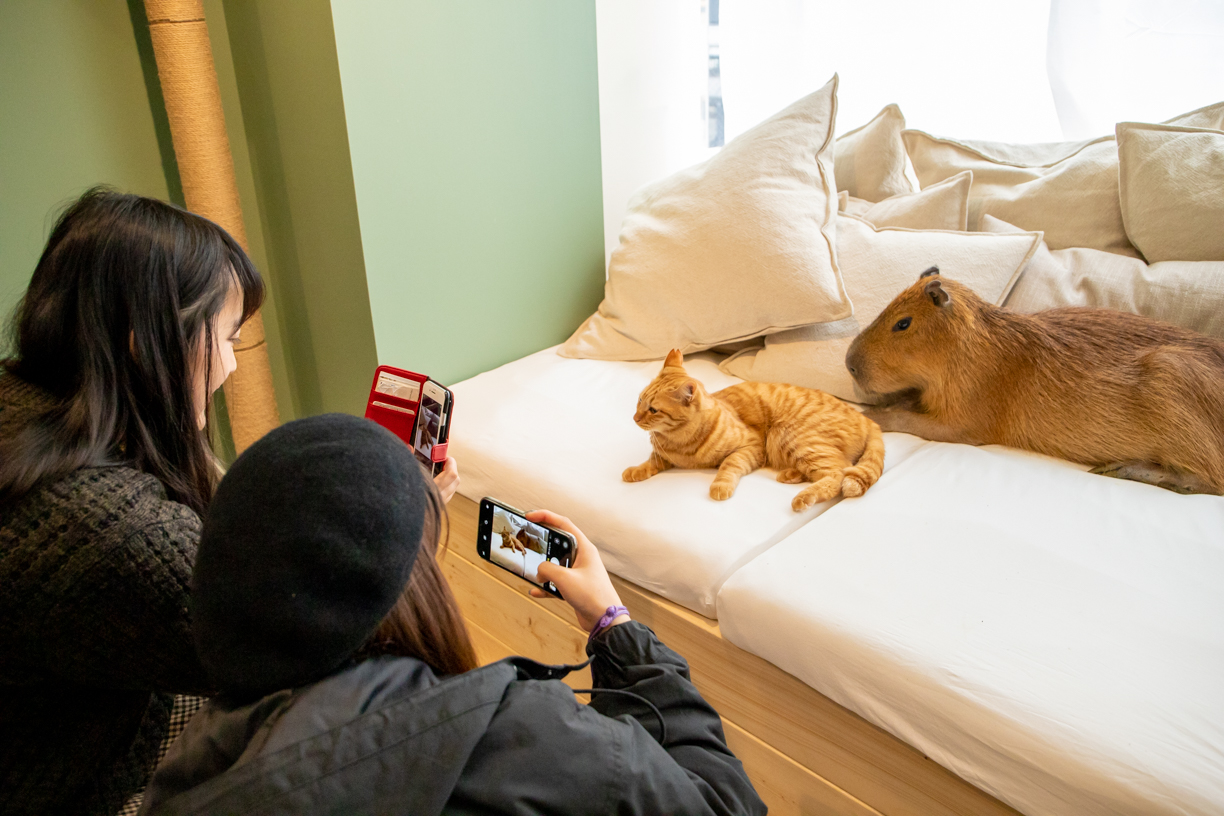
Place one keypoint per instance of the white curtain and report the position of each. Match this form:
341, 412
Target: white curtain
653, 57
969, 68
1133, 61
1004, 70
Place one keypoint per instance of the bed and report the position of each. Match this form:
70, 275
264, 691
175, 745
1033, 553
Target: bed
1054, 637
546, 431
984, 630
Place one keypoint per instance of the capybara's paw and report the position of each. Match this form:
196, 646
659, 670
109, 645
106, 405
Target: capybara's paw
791, 476
638, 473
822, 491
1156, 475
721, 491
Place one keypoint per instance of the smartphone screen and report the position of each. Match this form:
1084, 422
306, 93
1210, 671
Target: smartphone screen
431, 422
506, 538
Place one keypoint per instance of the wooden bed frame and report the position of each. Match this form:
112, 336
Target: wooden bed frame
805, 753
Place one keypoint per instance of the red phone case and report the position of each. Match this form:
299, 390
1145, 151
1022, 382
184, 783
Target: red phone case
394, 406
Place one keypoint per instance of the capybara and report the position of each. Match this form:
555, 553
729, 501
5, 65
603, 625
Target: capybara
1133, 397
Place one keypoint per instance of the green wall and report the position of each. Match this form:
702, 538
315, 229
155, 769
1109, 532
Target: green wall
420, 179
288, 81
74, 112
81, 105
474, 131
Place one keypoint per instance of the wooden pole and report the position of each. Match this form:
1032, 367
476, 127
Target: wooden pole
206, 166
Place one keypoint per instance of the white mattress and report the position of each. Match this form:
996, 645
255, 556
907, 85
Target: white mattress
1056, 638
550, 432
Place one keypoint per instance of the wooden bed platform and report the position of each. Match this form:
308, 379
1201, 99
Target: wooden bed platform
805, 753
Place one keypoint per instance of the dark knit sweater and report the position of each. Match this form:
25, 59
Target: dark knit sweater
94, 632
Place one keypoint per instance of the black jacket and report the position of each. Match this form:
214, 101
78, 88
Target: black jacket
95, 637
388, 736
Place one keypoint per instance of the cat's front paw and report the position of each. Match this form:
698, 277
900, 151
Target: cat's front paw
638, 473
721, 491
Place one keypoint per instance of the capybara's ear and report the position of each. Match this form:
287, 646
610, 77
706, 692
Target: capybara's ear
934, 270
938, 295
685, 394
674, 359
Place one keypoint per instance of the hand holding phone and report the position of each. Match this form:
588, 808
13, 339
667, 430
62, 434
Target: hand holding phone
585, 584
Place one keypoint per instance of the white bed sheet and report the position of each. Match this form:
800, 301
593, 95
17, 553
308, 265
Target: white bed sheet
1054, 637
555, 433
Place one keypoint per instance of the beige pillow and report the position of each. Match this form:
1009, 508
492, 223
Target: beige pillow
1068, 190
1171, 182
878, 264
943, 206
738, 246
1186, 293
870, 160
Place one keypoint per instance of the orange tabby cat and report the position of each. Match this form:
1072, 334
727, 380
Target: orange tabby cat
805, 434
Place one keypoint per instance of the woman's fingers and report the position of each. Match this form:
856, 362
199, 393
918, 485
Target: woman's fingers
553, 520
448, 480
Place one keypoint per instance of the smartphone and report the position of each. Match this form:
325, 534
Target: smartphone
506, 538
432, 424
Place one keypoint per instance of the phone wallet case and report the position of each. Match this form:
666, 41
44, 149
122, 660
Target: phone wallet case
395, 399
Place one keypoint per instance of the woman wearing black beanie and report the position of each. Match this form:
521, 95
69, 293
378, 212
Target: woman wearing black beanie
348, 684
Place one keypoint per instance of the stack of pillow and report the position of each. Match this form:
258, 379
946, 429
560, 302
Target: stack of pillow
788, 242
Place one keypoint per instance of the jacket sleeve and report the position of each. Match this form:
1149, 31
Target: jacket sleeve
629, 657
123, 621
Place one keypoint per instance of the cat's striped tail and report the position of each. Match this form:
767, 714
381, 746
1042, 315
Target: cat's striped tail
870, 465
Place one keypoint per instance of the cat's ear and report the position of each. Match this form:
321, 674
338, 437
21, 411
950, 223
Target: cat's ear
674, 359
685, 394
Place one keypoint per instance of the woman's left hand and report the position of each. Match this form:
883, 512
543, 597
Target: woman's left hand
448, 480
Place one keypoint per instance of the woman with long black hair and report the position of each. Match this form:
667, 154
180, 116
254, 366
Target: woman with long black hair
125, 332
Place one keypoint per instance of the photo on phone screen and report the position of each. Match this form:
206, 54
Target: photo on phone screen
431, 419
513, 543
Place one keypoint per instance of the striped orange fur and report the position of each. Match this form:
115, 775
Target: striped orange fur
806, 435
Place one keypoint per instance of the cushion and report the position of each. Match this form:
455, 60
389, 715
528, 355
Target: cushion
878, 264
738, 246
549, 432
943, 206
1068, 190
1189, 294
870, 160
1171, 182
1049, 635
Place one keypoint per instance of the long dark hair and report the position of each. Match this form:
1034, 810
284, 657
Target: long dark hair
425, 622
111, 326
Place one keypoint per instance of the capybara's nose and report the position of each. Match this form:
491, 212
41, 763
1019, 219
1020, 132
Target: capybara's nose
854, 361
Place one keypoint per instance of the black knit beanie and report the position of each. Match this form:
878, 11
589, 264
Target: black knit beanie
306, 546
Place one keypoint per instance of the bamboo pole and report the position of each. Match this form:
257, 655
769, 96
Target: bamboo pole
206, 166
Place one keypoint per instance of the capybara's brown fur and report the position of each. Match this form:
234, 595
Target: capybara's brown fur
1132, 396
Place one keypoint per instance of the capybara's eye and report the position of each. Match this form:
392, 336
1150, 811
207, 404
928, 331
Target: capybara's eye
902, 324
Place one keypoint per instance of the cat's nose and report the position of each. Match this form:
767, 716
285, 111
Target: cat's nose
639, 416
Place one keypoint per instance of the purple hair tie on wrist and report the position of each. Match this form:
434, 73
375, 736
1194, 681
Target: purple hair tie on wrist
610, 615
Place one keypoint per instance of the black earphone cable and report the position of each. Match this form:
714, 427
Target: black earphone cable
658, 714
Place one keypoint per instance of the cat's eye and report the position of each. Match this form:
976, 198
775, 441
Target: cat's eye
902, 324
653, 410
